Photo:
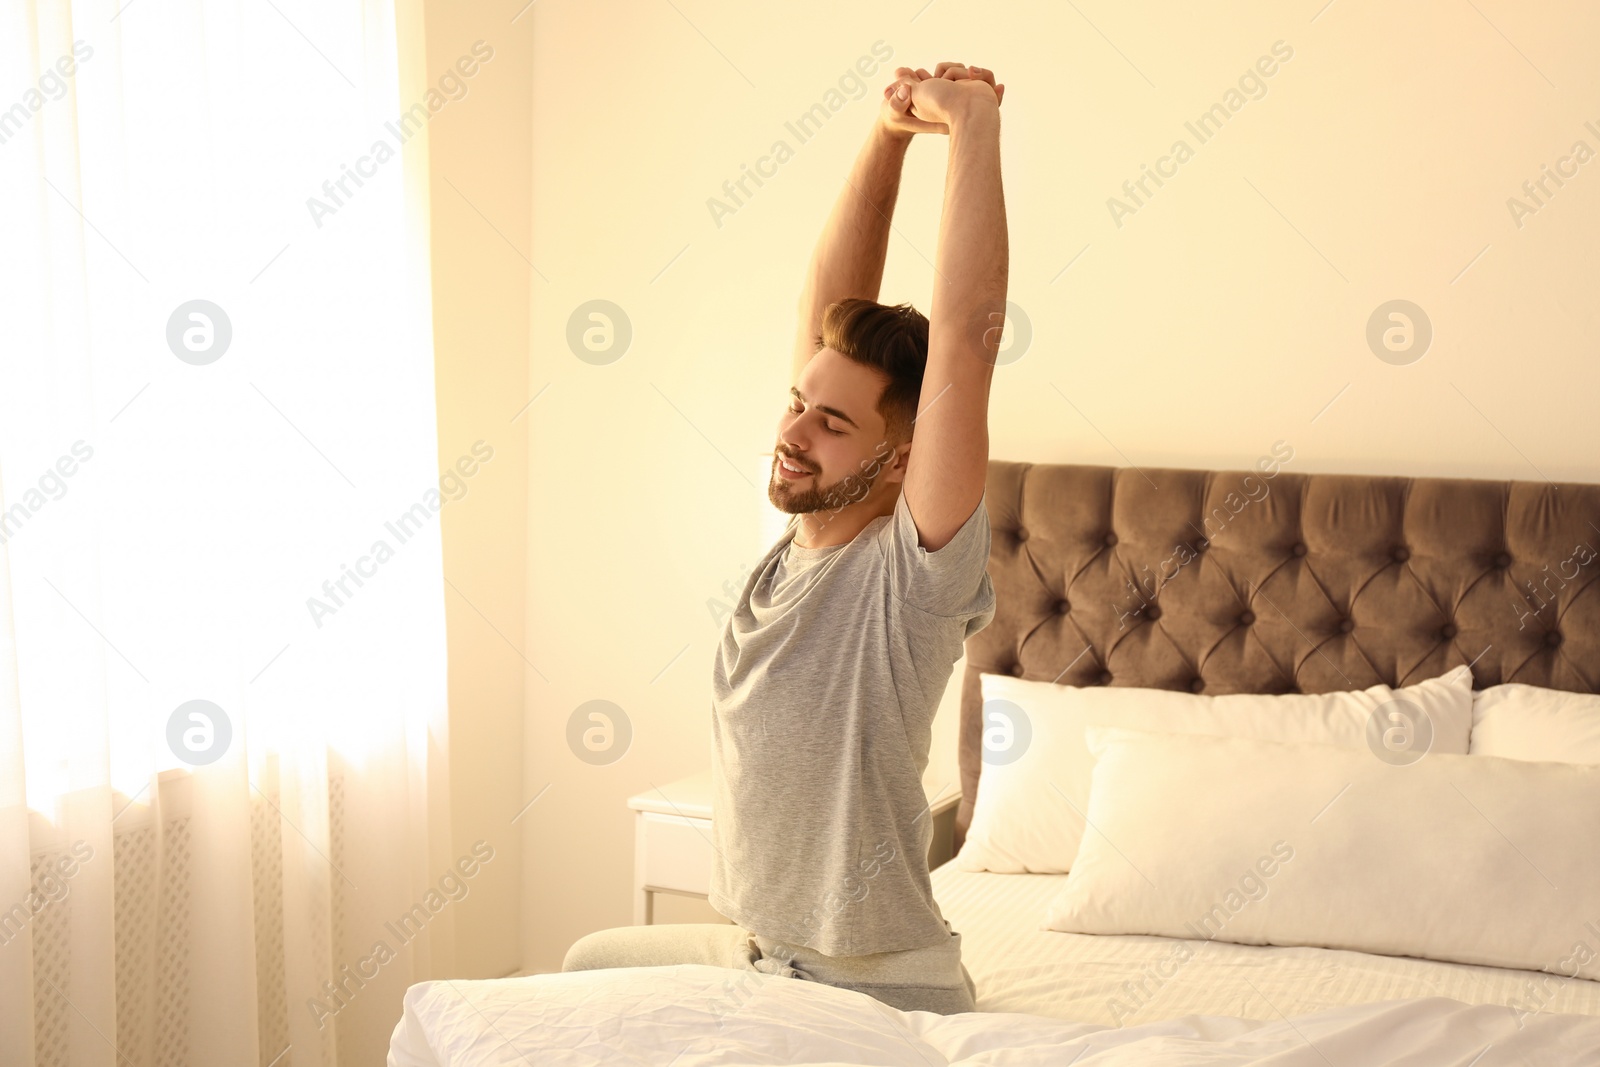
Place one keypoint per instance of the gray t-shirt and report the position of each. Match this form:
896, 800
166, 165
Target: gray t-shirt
827, 678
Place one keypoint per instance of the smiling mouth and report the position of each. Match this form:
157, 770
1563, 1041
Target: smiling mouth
790, 467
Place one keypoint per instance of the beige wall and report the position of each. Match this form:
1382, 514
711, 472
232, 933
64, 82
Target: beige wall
478, 144
1227, 312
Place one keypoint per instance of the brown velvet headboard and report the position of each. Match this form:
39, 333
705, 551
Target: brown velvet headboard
1270, 581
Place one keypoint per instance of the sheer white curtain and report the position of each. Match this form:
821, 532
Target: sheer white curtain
218, 484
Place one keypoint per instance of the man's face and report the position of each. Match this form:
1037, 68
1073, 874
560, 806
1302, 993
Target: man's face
833, 432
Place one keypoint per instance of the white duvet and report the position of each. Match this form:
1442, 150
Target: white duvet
690, 1015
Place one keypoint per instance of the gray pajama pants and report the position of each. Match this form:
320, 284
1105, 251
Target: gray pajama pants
923, 979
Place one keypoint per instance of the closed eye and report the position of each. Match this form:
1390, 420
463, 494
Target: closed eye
837, 433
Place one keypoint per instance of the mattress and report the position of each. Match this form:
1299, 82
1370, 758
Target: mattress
1132, 980
1045, 998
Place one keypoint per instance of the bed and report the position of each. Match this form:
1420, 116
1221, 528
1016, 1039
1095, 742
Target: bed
1217, 584
1018, 967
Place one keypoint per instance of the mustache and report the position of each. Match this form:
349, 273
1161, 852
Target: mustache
793, 461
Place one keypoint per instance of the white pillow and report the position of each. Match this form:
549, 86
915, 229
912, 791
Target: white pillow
1034, 784
1455, 858
1531, 722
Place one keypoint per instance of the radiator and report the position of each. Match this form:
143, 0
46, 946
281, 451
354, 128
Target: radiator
153, 950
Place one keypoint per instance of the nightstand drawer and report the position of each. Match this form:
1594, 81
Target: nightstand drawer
676, 853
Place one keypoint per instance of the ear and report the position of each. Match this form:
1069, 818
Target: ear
895, 466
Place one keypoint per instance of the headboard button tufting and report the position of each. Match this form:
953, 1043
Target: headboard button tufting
1058, 526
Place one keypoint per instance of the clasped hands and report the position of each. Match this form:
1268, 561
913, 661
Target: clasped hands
919, 102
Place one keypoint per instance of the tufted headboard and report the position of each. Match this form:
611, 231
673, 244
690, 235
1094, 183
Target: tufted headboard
1269, 581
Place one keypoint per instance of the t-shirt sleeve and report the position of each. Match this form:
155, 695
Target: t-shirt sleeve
952, 581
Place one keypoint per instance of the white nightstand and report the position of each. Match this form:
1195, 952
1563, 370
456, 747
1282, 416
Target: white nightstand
672, 850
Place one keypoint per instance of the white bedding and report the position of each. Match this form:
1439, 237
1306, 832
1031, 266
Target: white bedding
1019, 968
1044, 998
683, 1016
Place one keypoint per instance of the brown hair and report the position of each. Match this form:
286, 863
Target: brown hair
893, 340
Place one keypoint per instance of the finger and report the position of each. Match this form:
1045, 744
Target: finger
956, 72
909, 119
982, 74
940, 70
922, 72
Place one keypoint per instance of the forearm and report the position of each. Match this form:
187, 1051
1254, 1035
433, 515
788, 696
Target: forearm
972, 263
849, 257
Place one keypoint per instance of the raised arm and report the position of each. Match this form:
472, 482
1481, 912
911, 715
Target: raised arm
848, 260
949, 459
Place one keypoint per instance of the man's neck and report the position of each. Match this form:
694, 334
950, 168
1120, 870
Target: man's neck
824, 529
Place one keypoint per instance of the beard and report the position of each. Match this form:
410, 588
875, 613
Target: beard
809, 496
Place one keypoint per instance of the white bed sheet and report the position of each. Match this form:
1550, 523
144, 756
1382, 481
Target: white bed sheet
691, 1015
1132, 980
1045, 998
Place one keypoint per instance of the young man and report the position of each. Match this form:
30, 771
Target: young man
832, 665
